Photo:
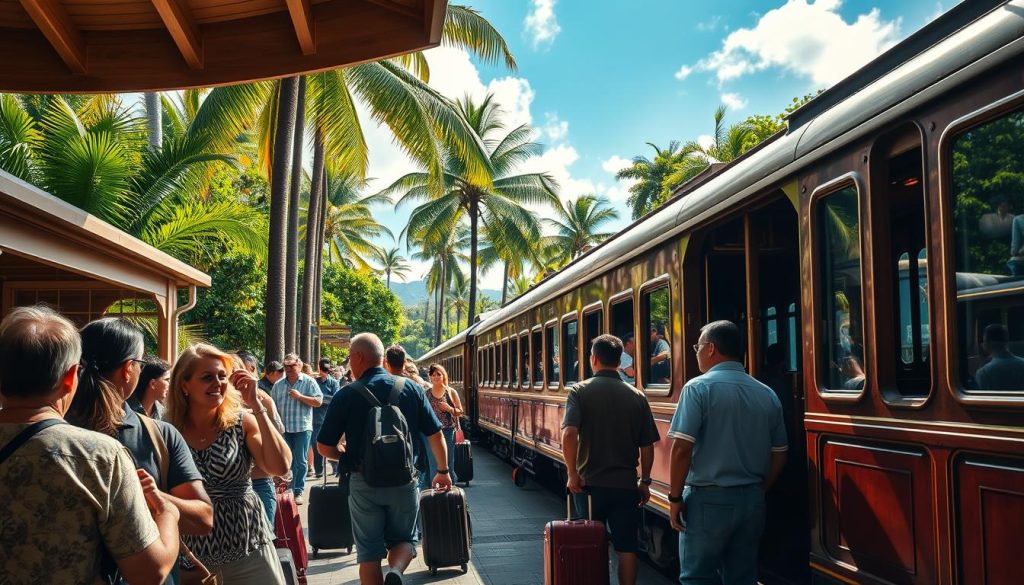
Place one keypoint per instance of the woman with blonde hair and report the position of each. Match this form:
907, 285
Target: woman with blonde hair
448, 408
205, 404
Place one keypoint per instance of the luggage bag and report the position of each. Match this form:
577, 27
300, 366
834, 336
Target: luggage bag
330, 524
464, 462
291, 574
288, 530
575, 551
446, 530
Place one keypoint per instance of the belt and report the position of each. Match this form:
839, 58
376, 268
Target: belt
721, 487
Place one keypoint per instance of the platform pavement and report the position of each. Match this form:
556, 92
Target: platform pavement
508, 536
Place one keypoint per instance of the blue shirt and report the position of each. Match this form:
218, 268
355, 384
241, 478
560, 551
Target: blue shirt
626, 361
1004, 371
296, 416
347, 415
734, 423
328, 387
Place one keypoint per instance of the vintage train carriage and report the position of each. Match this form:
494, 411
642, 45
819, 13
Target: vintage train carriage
455, 355
875, 256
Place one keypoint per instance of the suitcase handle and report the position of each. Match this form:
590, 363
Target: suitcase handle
568, 506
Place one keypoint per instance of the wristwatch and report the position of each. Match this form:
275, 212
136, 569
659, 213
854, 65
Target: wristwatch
443, 471
646, 481
675, 499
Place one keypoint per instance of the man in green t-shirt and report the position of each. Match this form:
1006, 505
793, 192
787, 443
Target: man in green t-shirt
608, 428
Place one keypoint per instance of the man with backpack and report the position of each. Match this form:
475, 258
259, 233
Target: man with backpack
380, 416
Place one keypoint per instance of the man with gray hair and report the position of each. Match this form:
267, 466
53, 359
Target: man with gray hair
70, 484
384, 510
730, 446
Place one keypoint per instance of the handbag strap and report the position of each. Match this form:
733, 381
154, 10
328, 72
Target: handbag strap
159, 449
26, 434
195, 562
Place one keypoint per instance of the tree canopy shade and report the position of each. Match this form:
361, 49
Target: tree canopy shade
362, 302
102, 46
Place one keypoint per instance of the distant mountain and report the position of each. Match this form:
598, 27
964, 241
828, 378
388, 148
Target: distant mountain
415, 292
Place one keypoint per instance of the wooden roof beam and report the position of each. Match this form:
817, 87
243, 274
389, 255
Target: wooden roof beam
183, 29
302, 21
57, 27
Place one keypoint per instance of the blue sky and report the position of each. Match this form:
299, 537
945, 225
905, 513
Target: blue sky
599, 79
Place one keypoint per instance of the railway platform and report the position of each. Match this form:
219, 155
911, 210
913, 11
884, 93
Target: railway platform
508, 536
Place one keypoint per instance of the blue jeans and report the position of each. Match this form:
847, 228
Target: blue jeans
381, 517
428, 476
723, 531
264, 488
299, 444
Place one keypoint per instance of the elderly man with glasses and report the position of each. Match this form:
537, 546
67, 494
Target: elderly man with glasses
296, 395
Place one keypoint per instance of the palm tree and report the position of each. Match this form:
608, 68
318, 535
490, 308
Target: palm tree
154, 120
93, 154
291, 269
498, 202
520, 286
458, 301
577, 225
349, 226
727, 144
392, 262
443, 250
646, 195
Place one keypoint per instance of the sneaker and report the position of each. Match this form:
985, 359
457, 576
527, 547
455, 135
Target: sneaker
318, 475
394, 577
299, 501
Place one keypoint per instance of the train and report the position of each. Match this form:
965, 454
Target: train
868, 252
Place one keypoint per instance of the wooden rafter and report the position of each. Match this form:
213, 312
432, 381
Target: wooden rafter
179, 22
57, 27
302, 20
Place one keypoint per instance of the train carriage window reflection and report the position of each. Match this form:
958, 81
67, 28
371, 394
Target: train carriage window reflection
793, 324
504, 364
537, 358
570, 351
622, 317
988, 225
656, 357
524, 361
838, 225
593, 323
499, 370
513, 353
551, 355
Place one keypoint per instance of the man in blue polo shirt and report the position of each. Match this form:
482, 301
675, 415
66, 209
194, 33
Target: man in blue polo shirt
296, 395
383, 518
729, 447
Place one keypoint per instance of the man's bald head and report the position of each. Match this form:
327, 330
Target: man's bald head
365, 351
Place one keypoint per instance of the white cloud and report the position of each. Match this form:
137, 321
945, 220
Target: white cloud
733, 101
706, 140
554, 129
615, 164
710, 24
806, 37
683, 72
542, 23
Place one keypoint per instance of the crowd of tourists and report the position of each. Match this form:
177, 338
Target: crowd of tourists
116, 467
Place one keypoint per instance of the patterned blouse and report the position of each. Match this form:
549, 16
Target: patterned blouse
447, 418
240, 525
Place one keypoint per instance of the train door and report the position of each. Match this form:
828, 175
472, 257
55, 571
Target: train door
748, 267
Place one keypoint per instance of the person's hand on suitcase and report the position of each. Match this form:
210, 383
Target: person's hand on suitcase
575, 483
442, 481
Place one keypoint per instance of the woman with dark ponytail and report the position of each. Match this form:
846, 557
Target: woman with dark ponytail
151, 389
111, 367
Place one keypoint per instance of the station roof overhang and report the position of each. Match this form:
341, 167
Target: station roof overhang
100, 46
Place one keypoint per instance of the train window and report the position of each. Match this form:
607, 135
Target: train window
793, 322
537, 358
499, 369
656, 356
551, 355
570, 351
838, 222
524, 360
988, 231
503, 379
490, 364
513, 354
592, 327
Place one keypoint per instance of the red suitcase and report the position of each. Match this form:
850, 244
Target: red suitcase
575, 551
288, 530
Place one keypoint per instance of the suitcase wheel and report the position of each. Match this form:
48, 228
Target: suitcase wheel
316, 552
519, 477
349, 551
465, 569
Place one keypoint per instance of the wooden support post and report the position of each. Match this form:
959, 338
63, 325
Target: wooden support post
751, 249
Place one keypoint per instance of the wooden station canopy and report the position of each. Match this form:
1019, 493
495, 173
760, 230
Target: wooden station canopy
94, 46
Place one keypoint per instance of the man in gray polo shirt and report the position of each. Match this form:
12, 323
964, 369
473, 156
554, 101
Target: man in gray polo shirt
730, 445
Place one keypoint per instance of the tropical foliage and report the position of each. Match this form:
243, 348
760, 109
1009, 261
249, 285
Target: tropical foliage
362, 302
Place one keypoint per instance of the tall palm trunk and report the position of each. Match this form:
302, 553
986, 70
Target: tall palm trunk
154, 122
504, 285
291, 283
388, 274
440, 302
474, 217
318, 291
309, 272
284, 134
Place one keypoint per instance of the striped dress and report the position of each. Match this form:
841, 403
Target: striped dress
240, 525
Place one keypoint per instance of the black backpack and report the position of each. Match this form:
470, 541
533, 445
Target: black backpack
387, 441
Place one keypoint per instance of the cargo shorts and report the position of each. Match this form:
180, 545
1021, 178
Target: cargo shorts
381, 517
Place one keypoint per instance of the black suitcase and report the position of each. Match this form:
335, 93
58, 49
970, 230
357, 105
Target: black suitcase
330, 524
464, 462
446, 530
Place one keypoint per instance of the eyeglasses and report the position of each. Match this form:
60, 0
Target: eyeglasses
696, 347
291, 366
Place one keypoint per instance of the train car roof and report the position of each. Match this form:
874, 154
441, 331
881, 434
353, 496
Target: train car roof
982, 41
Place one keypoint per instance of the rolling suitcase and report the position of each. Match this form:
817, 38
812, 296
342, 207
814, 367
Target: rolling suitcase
446, 531
464, 462
288, 530
575, 551
330, 524
291, 575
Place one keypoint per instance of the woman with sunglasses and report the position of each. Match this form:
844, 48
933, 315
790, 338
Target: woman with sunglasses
448, 408
111, 365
